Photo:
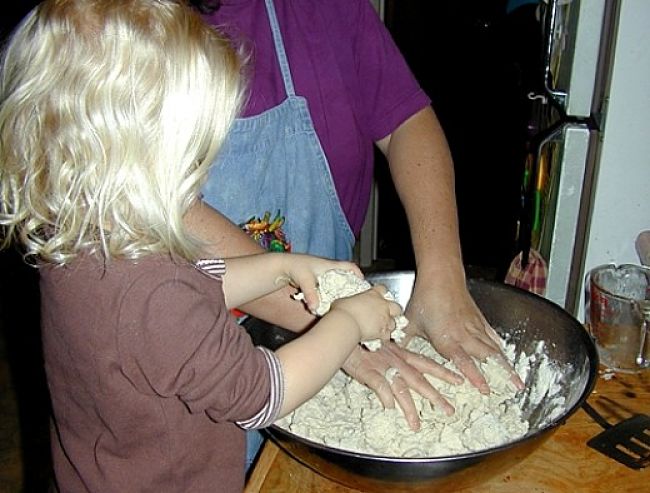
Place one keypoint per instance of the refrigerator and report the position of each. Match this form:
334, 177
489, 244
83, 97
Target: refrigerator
587, 176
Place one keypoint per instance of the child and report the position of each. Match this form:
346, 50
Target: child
111, 111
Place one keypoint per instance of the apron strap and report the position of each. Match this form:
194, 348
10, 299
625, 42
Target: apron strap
279, 49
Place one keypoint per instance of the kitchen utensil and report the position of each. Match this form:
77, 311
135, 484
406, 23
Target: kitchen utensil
619, 315
627, 442
644, 307
526, 319
642, 245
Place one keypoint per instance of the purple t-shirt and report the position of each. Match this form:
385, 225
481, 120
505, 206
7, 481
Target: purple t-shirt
345, 63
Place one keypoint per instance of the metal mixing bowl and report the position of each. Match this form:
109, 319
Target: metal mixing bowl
526, 319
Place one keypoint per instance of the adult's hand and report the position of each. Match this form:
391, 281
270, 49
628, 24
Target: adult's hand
440, 307
370, 368
450, 319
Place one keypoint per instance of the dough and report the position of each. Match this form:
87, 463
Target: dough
345, 414
337, 283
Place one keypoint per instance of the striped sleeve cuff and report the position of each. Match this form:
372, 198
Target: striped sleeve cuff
214, 268
269, 413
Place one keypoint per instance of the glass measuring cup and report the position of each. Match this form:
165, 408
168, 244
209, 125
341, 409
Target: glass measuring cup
618, 315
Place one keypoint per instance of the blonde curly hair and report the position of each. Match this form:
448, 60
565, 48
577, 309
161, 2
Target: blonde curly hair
111, 112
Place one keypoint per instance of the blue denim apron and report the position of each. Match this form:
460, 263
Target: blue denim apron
274, 162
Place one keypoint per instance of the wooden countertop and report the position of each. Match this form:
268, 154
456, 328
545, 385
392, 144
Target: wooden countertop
562, 464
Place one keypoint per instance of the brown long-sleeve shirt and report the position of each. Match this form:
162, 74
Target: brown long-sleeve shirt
148, 374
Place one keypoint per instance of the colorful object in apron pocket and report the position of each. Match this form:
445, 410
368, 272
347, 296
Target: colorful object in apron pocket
268, 233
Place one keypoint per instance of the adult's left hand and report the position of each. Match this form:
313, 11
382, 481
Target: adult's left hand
370, 367
451, 320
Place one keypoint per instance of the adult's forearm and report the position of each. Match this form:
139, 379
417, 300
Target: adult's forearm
422, 170
440, 306
224, 239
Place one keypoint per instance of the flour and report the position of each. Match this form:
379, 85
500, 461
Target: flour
337, 283
347, 415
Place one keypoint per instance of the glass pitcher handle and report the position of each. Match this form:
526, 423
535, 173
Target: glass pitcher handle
641, 360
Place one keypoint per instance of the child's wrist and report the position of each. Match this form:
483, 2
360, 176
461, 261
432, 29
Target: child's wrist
281, 266
350, 321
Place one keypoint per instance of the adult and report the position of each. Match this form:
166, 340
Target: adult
326, 84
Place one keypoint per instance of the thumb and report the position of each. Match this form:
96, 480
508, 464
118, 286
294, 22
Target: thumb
312, 299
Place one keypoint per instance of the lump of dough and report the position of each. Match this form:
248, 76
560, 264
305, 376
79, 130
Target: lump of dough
337, 283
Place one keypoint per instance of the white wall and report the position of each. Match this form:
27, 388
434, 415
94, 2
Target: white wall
621, 208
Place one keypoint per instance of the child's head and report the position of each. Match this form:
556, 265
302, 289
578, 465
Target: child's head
110, 114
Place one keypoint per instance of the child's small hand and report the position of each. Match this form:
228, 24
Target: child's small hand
372, 312
302, 272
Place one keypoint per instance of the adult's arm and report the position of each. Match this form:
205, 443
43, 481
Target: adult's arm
441, 307
222, 238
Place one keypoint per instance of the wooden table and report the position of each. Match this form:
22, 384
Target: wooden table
562, 464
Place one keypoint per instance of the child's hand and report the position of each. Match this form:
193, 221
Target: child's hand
250, 277
372, 312
302, 271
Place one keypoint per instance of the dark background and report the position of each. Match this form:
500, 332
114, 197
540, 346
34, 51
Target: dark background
477, 63
24, 399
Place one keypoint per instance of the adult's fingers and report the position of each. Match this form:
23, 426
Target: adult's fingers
467, 367
423, 365
378, 383
405, 401
505, 364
